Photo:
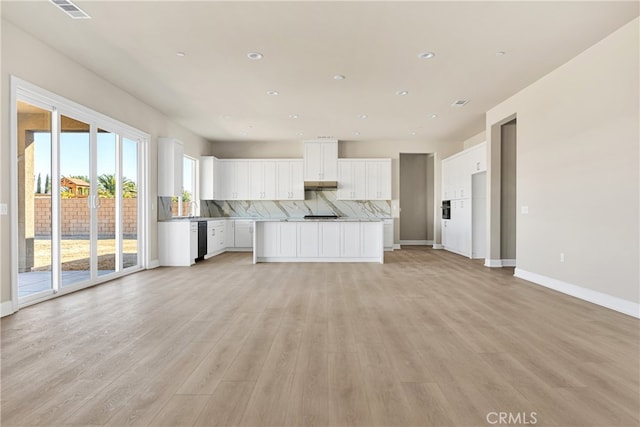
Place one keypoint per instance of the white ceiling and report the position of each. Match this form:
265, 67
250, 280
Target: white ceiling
217, 92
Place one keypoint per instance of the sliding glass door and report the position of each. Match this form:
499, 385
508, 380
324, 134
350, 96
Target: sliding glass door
79, 211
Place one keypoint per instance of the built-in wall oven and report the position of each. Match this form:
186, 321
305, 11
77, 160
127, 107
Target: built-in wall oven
446, 209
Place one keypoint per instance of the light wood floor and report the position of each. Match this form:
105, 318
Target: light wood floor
428, 338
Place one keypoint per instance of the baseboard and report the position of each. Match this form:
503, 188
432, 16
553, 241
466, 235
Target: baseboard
493, 263
416, 242
153, 264
397, 246
614, 303
508, 262
438, 246
6, 308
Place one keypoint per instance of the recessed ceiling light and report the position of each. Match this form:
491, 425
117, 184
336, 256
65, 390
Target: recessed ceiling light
339, 77
433, 116
273, 92
181, 54
293, 116
501, 53
426, 55
413, 133
224, 117
300, 133
356, 133
362, 116
255, 55
402, 92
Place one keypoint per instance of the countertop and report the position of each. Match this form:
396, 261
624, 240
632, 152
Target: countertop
260, 219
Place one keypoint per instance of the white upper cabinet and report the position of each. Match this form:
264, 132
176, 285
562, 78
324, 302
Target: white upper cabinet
321, 160
379, 179
263, 180
289, 180
235, 180
209, 178
352, 180
457, 171
170, 158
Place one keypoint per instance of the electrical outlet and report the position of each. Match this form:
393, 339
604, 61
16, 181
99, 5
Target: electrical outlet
561, 256
4, 209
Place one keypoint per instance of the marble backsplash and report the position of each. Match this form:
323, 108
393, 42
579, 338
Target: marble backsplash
316, 203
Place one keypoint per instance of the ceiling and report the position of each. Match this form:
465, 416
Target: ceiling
216, 91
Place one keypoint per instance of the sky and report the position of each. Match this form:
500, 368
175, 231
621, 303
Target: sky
74, 155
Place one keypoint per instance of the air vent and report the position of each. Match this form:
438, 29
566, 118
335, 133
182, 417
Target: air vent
70, 9
460, 102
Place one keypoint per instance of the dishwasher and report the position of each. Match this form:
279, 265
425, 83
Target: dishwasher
202, 240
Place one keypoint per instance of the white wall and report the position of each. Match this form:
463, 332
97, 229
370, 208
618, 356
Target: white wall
475, 140
354, 149
577, 170
37, 63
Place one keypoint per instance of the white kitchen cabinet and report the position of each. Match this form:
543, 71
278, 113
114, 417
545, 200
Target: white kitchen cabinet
177, 243
378, 177
308, 239
267, 244
263, 180
209, 178
351, 239
170, 158
371, 245
287, 239
352, 179
290, 180
235, 176
216, 241
321, 160
230, 234
243, 236
388, 234
329, 234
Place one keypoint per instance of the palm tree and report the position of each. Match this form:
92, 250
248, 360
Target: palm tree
107, 186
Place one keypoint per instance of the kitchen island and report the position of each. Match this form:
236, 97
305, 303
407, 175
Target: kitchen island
318, 240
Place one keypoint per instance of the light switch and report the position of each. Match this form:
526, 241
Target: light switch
524, 210
4, 210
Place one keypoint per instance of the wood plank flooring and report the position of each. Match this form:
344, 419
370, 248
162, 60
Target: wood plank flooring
427, 339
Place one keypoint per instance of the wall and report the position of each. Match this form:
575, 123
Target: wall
413, 197
57, 73
577, 172
353, 149
508, 191
475, 140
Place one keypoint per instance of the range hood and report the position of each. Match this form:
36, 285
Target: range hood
320, 185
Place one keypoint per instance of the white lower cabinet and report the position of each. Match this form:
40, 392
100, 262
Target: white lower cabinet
388, 234
329, 246
177, 243
230, 234
216, 242
308, 235
243, 237
310, 241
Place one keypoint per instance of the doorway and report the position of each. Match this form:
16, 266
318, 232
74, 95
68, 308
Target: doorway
79, 216
416, 199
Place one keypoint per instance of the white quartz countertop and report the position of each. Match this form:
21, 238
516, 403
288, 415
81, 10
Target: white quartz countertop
260, 219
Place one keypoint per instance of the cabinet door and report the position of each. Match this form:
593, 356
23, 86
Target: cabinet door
287, 239
269, 180
256, 173
220, 240
329, 161
228, 182
207, 178
329, 234
350, 232
388, 233
384, 180
283, 180
371, 235
211, 237
243, 234
373, 178
345, 181
268, 240
170, 158
359, 180
312, 161
229, 234
243, 180
297, 180
308, 239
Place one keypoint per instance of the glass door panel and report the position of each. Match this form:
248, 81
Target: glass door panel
108, 261
34, 200
130, 202
75, 201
